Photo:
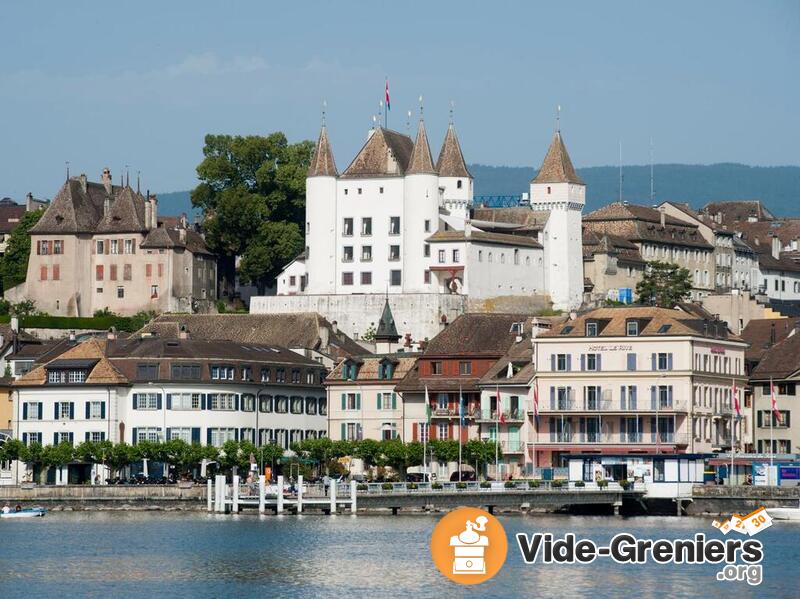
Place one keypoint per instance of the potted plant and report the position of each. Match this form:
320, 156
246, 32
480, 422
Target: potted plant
461, 485
387, 486
533, 484
510, 484
486, 485
625, 484
580, 483
361, 487
556, 484
413, 486
602, 483
436, 485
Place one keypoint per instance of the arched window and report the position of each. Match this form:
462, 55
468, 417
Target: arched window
490, 256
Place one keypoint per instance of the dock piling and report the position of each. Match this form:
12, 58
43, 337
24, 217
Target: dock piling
235, 494
219, 484
279, 509
262, 491
299, 493
353, 506
333, 497
209, 499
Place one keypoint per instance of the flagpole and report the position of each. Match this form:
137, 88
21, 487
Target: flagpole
497, 436
771, 426
425, 437
733, 430
460, 432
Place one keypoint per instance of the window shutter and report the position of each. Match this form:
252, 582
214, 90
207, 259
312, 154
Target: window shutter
631, 361
379, 401
632, 397
394, 401
55, 416
653, 392
103, 410
569, 362
88, 409
552, 362
653, 429
599, 362
133, 436
55, 438
208, 436
236, 404
414, 431
169, 401
72, 410
669, 361
203, 402
760, 419
622, 397
583, 362
40, 404
450, 428
25, 411
552, 398
87, 434
344, 403
432, 432
169, 433
358, 401
24, 438
653, 361
669, 395
158, 401
344, 431
103, 436
582, 426
195, 435
135, 400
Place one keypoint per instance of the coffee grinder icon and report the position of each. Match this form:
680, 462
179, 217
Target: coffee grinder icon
469, 548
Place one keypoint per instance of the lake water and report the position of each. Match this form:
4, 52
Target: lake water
170, 554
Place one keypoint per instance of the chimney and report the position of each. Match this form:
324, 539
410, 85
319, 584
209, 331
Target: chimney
106, 179
29, 202
148, 214
324, 338
184, 332
573, 315
106, 206
335, 327
153, 211
15, 324
182, 235
772, 334
663, 215
407, 342
776, 247
72, 337
112, 334
82, 179
719, 217
467, 229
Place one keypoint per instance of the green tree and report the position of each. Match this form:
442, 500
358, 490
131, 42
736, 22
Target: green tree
664, 284
121, 456
396, 455
445, 450
94, 452
252, 191
370, 451
14, 264
269, 454
13, 449
59, 455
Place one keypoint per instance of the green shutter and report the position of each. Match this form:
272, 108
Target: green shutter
358, 401
394, 401
344, 431
344, 401
379, 401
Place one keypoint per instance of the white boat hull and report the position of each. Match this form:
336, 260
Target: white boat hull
785, 513
24, 514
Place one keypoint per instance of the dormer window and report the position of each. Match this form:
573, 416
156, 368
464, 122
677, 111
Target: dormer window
350, 371
385, 370
632, 328
591, 329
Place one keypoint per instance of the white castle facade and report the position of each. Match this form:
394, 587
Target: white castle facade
395, 223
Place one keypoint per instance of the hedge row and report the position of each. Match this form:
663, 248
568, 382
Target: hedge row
121, 323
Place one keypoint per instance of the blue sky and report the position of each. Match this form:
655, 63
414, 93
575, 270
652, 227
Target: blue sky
140, 83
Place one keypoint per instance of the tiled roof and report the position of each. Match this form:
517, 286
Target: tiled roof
476, 333
658, 322
297, 330
763, 333
10, 215
386, 153
171, 238
735, 212
126, 213
322, 163
601, 243
387, 331
451, 161
421, 160
368, 367
781, 360
787, 230
785, 261
102, 373
524, 218
483, 237
625, 211
557, 167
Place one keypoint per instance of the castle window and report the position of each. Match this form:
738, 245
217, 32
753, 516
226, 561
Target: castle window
114, 246
480, 255
120, 292
395, 278
427, 226
366, 278
394, 253
548, 189
502, 258
347, 227
427, 277
347, 253
347, 278
359, 191
366, 226
366, 253
442, 256
394, 225
459, 183
426, 250
100, 247
516, 257
632, 328
345, 191
591, 329
490, 257
57, 246
380, 190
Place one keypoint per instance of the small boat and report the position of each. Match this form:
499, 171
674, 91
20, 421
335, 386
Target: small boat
34, 512
785, 513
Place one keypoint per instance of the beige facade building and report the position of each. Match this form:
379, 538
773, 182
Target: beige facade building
100, 246
637, 380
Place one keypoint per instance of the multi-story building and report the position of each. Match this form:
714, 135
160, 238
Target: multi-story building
636, 379
449, 373
11, 215
100, 246
775, 432
395, 222
658, 236
151, 389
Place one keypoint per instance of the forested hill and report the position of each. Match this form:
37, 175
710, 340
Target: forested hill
778, 187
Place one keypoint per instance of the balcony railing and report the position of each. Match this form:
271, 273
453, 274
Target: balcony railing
623, 438
453, 413
507, 415
610, 405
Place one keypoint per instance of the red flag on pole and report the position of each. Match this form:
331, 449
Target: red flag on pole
775, 410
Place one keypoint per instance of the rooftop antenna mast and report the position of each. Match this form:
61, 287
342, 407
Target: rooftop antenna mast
138, 177
67, 163
452, 107
558, 119
620, 171
421, 108
380, 111
652, 179
324, 110
408, 123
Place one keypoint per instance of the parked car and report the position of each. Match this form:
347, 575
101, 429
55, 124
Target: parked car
466, 476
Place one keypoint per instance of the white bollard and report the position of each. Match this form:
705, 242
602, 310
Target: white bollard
280, 495
299, 493
235, 494
262, 484
333, 497
219, 483
209, 499
353, 506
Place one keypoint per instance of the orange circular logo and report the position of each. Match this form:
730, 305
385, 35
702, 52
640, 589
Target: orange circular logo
469, 545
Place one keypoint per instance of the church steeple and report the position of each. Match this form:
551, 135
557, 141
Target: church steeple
322, 163
387, 331
421, 161
557, 167
451, 161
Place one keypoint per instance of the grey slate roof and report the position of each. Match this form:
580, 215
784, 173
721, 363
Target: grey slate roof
386, 153
171, 238
387, 331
